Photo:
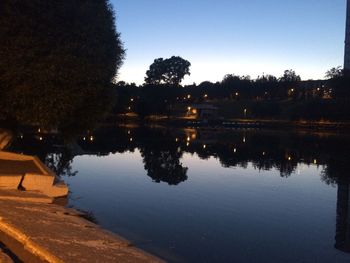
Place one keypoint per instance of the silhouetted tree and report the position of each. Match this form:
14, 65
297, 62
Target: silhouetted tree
266, 79
168, 71
155, 72
333, 73
57, 61
233, 83
290, 76
266, 86
231, 80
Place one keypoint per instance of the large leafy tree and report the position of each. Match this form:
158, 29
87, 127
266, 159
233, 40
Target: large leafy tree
57, 61
168, 71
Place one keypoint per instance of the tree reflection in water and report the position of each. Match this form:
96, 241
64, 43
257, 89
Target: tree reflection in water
61, 163
164, 166
162, 150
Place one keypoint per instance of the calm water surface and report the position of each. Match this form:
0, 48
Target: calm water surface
212, 196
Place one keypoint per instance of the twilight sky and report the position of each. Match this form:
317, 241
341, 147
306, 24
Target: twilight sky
218, 37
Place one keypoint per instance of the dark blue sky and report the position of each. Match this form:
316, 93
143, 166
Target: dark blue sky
232, 36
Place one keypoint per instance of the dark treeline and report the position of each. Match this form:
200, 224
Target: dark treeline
162, 150
286, 97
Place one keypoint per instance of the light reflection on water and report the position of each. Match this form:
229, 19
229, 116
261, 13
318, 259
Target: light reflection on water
265, 202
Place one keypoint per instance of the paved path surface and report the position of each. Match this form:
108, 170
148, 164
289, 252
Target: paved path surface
25, 196
56, 234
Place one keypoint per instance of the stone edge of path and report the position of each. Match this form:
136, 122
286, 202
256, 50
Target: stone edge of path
22, 245
30, 246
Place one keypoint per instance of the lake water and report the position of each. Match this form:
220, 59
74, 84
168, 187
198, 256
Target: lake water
199, 195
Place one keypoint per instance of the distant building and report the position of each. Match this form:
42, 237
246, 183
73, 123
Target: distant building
202, 112
347, 39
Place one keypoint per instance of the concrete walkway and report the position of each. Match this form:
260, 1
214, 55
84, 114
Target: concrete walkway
40, 232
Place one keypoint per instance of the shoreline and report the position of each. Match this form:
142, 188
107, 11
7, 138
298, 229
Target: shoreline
237, 123
37, 231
